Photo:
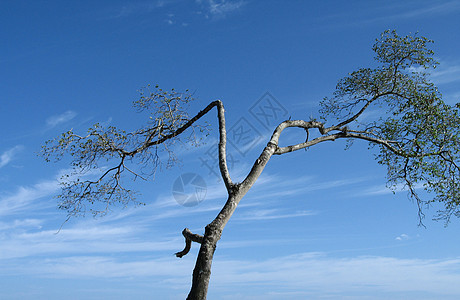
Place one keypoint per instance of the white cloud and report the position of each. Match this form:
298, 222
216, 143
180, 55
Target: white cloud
220, 8
403, 10
26, 196
259, 214
224, 7
281, 186
134, 8
303, 275
312, 273
402, 237
107, 122
377, 190
21, 223
106, 267
250, 210
446, 7
90, 249
84, 241
59, 119
446, 72
8, 155
384, 190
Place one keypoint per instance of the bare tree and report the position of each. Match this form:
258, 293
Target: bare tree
416, 135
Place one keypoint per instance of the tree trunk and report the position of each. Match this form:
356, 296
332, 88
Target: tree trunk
212, 234
202, 271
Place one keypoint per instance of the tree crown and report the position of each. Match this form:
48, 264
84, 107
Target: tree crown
416, 133
422, 130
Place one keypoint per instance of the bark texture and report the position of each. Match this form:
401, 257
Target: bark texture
213, 231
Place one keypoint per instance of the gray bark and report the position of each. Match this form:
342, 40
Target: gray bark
213, 231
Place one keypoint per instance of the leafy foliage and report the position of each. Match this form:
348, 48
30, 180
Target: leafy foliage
137, 153
393, 106
422, 130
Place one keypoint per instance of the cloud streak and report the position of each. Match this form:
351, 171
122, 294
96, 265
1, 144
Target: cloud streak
312, 274
402, 11
25, 197
259, 214
7, 156
132, 9
436, 9
95, 249
220, 8
56, 120
447, 72
301, 275
279, 187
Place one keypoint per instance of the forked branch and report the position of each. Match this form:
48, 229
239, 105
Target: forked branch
189, 238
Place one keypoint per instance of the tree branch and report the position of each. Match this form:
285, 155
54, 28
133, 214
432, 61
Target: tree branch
351, 119
272, 148
222, 139
189, 238
222, 146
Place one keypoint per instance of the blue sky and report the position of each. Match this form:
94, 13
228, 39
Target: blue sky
318, 224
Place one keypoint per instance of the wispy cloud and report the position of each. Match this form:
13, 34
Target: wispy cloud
134, 8
452, 98
9, 154
106, 267
214, 9
446, 7
303, 275
282, 186
56, 120
312, 274
21, 223
402, 237
25, 196
220, 8
446, 72
83, 240
259, 214
385, 190
403, 10
377, 190
97, 249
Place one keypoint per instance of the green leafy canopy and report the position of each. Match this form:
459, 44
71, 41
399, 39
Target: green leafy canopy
422, 130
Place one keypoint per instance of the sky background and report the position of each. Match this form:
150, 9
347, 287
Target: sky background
318, 224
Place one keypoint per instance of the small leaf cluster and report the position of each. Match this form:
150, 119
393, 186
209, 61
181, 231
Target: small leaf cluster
168, 109
105, 155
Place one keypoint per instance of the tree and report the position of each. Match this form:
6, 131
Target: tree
416, 136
